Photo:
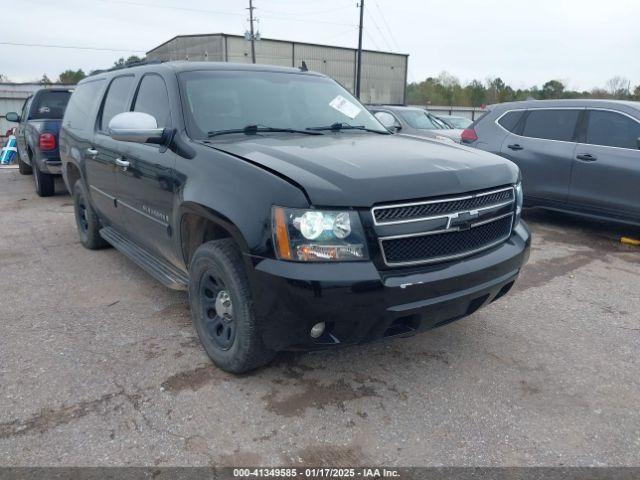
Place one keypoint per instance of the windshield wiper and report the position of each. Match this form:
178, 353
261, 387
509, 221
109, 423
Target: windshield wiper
253, 129
335, 127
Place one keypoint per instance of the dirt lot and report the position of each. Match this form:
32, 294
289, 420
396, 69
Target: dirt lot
99, 365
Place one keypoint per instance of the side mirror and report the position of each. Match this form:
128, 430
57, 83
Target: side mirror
397, 127
12, 117
136, 127
638, 142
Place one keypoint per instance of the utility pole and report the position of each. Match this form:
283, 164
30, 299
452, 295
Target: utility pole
359, 66
252, 35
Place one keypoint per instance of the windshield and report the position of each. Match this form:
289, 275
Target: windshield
458, 122
50, 105
421, 120
225, 100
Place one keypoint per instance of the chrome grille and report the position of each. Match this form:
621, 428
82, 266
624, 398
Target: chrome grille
452, 227
446, 245
418, 211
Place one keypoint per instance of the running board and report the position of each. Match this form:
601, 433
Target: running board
169, 275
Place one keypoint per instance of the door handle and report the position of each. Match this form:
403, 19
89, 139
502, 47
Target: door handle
515, 146
122, 163
586, 157
92, 152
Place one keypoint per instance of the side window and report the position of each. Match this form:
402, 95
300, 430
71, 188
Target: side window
510, 120
386, 119
116, 100
551, 124
152, 98
25, 109
612, 129
81, 105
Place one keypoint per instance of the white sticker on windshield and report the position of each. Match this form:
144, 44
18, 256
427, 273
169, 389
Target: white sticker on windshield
345, 107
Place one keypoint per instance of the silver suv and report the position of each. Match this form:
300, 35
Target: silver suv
580, 156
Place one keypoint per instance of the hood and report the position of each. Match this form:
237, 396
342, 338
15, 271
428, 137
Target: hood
363, 169
452, 133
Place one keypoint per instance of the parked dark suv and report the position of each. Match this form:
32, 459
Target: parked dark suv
291, 215
580, 156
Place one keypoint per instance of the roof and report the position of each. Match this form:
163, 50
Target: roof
270, 40
577, 102
185, 66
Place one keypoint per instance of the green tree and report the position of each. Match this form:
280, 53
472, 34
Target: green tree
477, 94
552, 89
636, 93
121, 62
45, 80
71, 77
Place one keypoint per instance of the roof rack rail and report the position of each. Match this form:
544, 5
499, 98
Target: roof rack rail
128, 65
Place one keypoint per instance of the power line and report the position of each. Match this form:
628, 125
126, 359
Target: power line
384, 38
217, 12
384, 21
73, 47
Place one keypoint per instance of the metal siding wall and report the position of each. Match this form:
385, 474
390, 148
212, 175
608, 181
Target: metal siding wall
383, 74
383, 78
267, 52
337, 63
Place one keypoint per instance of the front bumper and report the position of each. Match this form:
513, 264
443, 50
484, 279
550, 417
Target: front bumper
360, 303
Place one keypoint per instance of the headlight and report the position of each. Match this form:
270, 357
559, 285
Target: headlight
318, 235
519, 200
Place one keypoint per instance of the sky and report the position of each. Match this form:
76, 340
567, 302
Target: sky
580, 42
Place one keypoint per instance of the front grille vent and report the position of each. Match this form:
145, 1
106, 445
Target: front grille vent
413, 212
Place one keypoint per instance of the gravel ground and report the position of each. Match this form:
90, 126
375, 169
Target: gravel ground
99, 365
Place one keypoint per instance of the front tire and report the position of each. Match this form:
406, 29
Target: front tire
86, 219
45, 186
222, 308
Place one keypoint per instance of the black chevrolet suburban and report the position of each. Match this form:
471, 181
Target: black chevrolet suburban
294, 219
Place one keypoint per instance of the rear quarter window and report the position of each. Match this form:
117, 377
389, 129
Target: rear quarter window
509, 121
82, 105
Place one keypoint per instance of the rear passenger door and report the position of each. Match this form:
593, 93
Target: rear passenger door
145, 186
101, 157
606, 174
542, 145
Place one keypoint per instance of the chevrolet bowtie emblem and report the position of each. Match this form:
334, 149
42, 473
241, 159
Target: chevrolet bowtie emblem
462, 220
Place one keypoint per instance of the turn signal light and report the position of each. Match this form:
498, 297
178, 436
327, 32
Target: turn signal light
47, 141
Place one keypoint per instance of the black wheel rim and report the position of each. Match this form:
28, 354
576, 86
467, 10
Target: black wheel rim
217, 311
81, 214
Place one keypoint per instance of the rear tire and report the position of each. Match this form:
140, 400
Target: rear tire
45, 186
23, 168
86, 220
222, 308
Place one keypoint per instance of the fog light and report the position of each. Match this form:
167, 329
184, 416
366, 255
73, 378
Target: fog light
317, 330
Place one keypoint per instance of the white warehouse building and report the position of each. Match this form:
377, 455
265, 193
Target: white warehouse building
384, 75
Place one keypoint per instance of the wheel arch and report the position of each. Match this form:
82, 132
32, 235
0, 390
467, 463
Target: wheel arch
199, 224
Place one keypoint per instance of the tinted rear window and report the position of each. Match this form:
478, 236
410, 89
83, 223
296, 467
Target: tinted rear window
612, 130
510, 120
551, 124
50, 105
81, 106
